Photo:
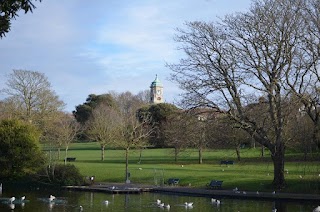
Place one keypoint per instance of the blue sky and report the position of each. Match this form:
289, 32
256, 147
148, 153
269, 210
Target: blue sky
95, 47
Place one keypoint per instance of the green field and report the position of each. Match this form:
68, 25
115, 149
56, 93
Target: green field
157, 165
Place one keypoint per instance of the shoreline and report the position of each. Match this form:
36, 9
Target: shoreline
131, 188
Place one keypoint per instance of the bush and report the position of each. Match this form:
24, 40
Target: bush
67, 175
61, 175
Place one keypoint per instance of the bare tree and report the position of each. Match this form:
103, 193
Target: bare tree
104, 126
177, 130
61, 131
134, 130
34, 99
247, 54
304, 77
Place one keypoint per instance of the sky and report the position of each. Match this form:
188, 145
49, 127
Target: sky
93, 47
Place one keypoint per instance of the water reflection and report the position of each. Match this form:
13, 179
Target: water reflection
39, 201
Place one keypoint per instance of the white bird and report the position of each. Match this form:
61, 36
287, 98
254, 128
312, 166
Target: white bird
51, 198
12, 199
81, 208
317, 209
235, 189
300, 176
218, 202
213, 200
161, 205
113, 187
257, 192
274, 192
158, 201
181, 165
23, 198
106, 202
1, 187
140, 168
167, 206
244, 192
12, 206
274, 210
188, 204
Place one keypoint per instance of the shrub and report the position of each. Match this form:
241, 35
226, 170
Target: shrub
61, 175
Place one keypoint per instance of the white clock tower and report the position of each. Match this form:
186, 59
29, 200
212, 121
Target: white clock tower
156, 92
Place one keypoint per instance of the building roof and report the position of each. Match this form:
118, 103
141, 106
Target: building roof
156, 82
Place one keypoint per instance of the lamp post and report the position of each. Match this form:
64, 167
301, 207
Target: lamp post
202, 119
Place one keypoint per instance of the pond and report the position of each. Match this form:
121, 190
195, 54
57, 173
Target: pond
38, 201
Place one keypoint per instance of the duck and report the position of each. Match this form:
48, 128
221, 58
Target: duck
158, 201
106, 202
23, 198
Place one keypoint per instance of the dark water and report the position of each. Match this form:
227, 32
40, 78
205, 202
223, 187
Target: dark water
37, 201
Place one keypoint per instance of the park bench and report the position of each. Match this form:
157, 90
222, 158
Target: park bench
173, 181
227, 162
215, 184
70, 159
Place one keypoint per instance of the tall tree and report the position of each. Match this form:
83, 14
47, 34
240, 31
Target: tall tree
104, 126
83, 111
245, 55
134, 129
31, 93
9, 10
62, 131
304, 78
178, 132
160, 114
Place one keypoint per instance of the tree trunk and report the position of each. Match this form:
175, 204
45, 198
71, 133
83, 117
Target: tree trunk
127, 165
58, 153
66, 155
140, 156
315, 135
176, 154
200, 155
278, 162
238, 152
102, 152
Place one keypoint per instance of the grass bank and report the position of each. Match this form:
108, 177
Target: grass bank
157, 165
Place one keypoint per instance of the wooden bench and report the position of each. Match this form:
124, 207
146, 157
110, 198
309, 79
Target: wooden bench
70, 159
215, 184
173, 181
227, 162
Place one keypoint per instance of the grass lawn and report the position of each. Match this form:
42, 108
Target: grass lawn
157, 165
